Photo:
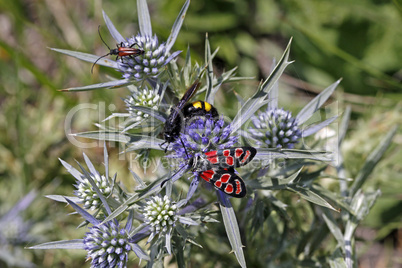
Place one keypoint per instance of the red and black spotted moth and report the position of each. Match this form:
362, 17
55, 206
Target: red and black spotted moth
218, 168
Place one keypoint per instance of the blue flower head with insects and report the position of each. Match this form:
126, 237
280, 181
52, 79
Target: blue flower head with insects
139, 57
150, 63
202, 134
143, 56
208, 149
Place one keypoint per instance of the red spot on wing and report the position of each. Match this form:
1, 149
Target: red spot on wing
229, 189
218, 184
207, 175
246, 157
225, 178
211, 153
229, 160
238, 187
212, 157
238, 152
226, 152
213, 160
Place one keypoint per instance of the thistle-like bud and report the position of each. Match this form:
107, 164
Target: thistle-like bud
275, 128
107, 245
145, 98
160, 214
150, 63
88, 195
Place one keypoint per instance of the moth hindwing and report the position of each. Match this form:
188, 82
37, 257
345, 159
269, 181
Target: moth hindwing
218, 168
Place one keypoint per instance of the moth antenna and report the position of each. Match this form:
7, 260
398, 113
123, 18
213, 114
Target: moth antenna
180, 169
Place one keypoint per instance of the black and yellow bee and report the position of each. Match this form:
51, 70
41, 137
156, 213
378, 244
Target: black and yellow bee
183, 111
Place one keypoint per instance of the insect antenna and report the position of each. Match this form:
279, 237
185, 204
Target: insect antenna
184, 147
177, 172
93, 65
102, 38
160, 145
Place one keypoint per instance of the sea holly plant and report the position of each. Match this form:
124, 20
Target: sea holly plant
255, 165
108, 243
135, 69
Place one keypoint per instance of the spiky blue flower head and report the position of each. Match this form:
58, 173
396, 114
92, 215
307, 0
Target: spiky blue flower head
143, 97
148, 65
107, 245
275, 128
203, 134
88, 195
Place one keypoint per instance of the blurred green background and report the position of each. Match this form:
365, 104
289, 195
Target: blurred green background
360, 41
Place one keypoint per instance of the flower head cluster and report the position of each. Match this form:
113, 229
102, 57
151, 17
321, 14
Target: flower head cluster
141, 57
160, 214
149, 64
275, 128
145, 98
202, 134
88, 195
107, 245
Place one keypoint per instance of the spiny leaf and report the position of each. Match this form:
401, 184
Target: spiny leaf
372, 160
231, 227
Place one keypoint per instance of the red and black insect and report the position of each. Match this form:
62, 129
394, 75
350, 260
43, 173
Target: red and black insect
121, 51
218, 168
183, 111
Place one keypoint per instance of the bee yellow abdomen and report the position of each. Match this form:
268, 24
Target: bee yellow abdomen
207, 106
199, 104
